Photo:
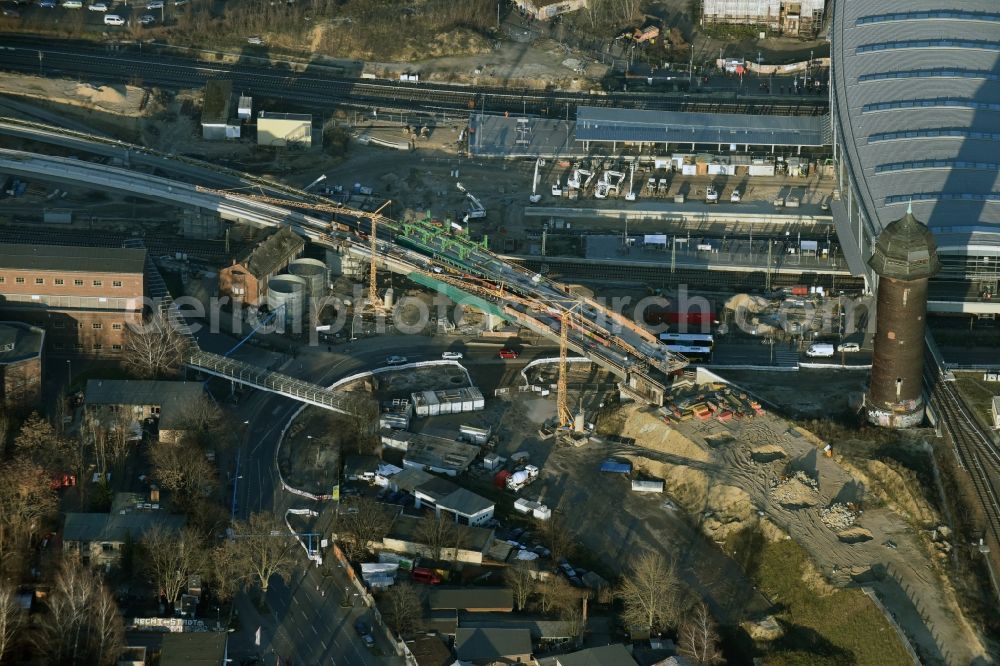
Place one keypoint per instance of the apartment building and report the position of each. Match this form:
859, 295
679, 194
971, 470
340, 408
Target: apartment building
82, 296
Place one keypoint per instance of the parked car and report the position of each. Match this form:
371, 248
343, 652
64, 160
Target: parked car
72, 4
98, 7
424, 575
47, 4
452, 356
154, 4
113, 19
508, 353
255, 41
849, 347
365, 632
147, 19
395, 360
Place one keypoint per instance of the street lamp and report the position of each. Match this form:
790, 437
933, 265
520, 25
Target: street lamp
316, 182
69, 373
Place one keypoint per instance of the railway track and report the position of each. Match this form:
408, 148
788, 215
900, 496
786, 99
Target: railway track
976, 453
317, 87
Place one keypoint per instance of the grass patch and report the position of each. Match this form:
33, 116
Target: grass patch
839, 628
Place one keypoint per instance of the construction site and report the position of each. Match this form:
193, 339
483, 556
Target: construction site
641, 326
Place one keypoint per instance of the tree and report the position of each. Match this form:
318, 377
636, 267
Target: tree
261, 549
82, 626
182, 468
698, 638
650, 591
436, 533
153, 348
402, 609
556, 537
572, 618
171, 558
11, 619
521, 581
26, 499
555, 592
38, 440
363, 521
224, 571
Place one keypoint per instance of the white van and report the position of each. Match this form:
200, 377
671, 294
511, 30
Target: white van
113, 19
72, 4
820, 350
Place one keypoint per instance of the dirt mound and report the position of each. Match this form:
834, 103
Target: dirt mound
815, 581
796, 492
855, 535
650, 432
768, 629
102, 96
729, 508
689, 487
767, 453
897, 487
747, 302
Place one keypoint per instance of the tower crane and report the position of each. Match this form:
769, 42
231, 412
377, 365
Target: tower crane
374, 301
563, 413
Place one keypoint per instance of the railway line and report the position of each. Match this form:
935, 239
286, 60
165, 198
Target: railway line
318, 87
976, 453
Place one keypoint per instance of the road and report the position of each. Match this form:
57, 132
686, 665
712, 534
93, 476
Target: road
318, 88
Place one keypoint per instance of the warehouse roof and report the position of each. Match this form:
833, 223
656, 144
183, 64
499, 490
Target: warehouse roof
461, 598
604, 655
465, 502
407, 528
117, 527
273, 253
173, 398
609, 124
916, 96
484, 644
72, 258
269, 115
207, 648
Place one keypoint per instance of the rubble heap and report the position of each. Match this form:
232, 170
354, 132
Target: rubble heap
797, 491
838, 516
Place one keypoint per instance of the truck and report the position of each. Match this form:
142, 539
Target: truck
522, 477
820, 350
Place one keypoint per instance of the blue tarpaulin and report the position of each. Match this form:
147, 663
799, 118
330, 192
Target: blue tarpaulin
616, 467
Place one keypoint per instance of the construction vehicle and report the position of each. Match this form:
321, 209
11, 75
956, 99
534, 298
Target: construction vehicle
711, 196
661, 187
651, 186
535, 196
630, 195
557, 189
521, 478
476, 209
590, 178
735, 196
602, 186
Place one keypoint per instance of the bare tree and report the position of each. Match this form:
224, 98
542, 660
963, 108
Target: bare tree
650, 591
153, 348
436, 533
108, 628
171, 558
573, 619
26, 499
224, 571
556, 537
521, 581
698, 638
363, 521
183, 468
263, 548
11, 619
82, 626
554, 592
401, 608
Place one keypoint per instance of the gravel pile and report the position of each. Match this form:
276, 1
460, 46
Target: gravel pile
838, 517
797, 491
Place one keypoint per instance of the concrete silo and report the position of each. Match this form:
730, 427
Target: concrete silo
315, 274
287, 292
905, 257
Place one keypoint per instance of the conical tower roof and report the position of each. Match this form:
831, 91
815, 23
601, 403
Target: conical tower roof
905, 250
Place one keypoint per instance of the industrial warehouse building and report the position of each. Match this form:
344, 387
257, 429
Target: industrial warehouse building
284, 130
217, 121
82, 296
245, 280
915, 105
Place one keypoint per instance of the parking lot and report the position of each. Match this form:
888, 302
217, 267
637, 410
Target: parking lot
73, 15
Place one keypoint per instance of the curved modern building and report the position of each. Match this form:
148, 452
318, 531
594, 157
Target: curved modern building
915, 102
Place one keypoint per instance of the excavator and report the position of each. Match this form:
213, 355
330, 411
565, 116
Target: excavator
535, 196
630, 195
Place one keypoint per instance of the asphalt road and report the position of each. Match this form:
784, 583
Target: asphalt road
303, 624
319, 87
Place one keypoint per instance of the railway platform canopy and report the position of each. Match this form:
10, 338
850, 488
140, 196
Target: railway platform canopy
680, 128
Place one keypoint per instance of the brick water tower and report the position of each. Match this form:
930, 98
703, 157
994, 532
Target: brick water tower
905, 257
